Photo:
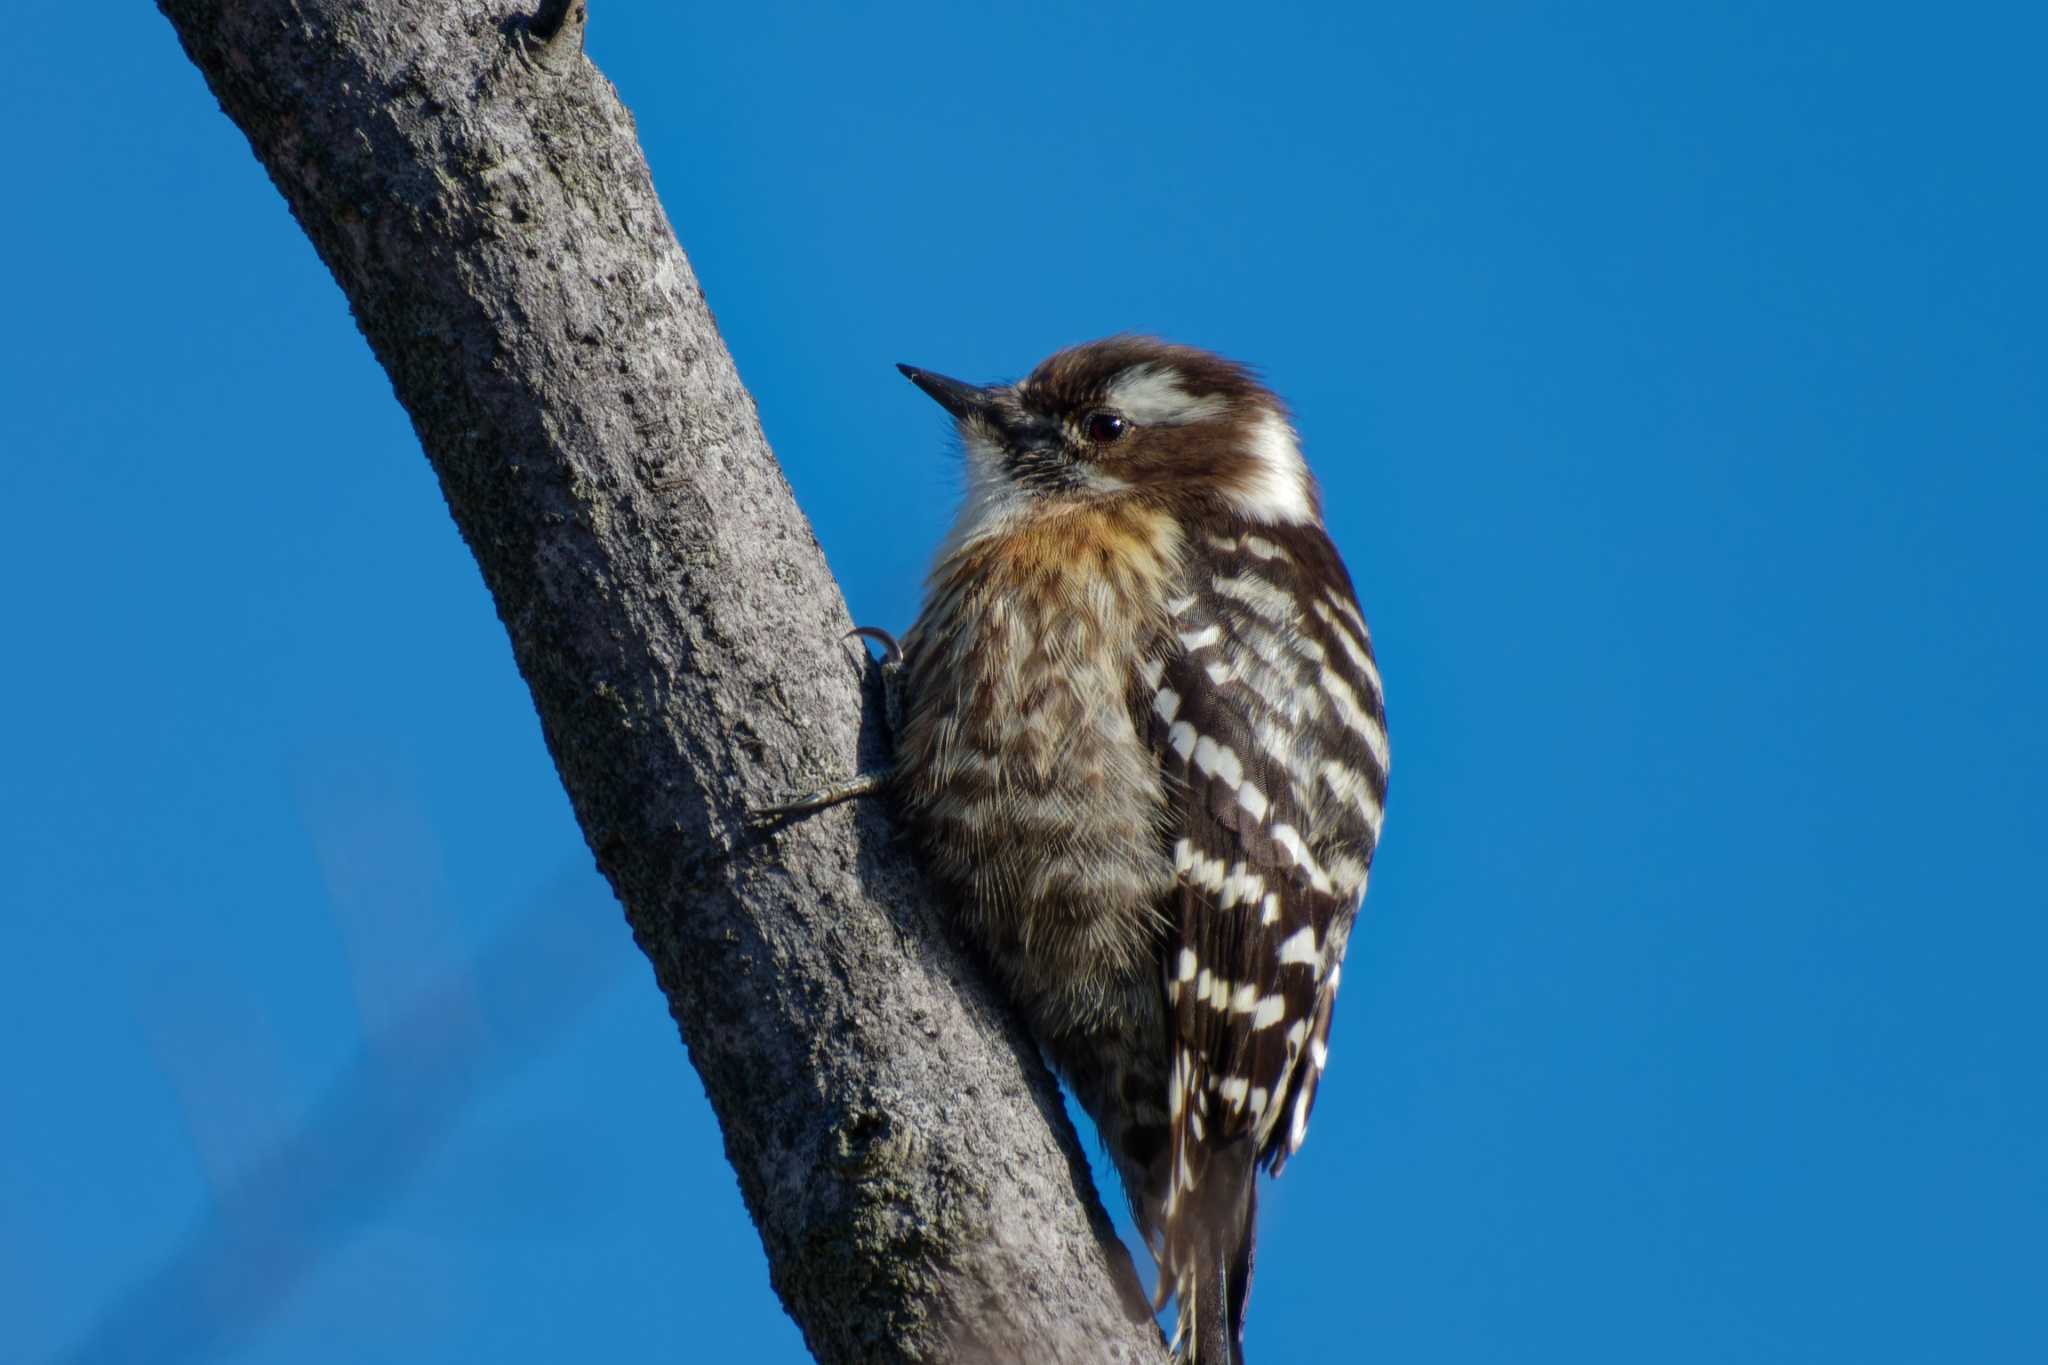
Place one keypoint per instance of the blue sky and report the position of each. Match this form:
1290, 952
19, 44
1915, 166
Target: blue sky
1676, 382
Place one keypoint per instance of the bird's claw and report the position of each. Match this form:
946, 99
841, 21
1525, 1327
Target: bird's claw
892, 653
852, 788
861, 784
891, 665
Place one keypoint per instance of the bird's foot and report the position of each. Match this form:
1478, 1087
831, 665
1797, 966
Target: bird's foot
848, 789
861, 784
892, 676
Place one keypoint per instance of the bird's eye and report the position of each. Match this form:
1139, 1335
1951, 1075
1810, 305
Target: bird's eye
1104, 427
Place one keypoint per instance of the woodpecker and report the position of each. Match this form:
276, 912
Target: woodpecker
1144, 755
1141, 746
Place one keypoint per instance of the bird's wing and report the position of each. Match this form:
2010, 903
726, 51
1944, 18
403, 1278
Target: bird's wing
1265, 709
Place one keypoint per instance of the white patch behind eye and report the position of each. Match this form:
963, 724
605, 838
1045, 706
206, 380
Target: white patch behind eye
1277, 490
1151, 395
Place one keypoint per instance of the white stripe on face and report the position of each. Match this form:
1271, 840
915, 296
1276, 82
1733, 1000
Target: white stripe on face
1151, 395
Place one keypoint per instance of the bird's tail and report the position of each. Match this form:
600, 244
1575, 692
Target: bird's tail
1207, 1261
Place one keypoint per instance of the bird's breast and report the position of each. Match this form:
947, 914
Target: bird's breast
1028, 783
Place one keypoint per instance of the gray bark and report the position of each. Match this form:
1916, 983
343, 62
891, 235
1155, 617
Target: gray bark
478, 192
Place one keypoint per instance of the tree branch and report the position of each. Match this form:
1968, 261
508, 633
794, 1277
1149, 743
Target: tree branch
477, 190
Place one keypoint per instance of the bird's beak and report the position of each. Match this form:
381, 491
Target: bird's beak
962, 400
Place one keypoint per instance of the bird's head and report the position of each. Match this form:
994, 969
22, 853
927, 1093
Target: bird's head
1128, 417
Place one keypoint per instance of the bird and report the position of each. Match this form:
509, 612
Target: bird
1141, 751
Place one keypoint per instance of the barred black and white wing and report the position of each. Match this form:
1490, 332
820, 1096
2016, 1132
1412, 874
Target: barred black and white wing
1267, 715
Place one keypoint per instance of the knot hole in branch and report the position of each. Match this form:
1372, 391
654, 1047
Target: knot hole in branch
552, 35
